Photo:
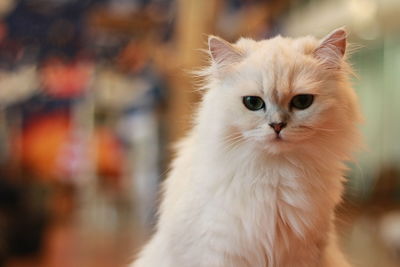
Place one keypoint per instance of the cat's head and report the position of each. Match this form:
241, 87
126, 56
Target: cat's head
281, 94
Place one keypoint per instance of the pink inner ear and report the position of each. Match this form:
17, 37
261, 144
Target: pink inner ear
216, 47
337, 39
222, 51
332, 48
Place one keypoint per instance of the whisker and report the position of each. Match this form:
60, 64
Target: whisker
232, 146
317, 128
254, 133
232, 137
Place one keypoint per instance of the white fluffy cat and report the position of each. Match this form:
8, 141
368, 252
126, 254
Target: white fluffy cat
256, 181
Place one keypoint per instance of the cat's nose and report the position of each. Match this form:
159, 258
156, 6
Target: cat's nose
277, 126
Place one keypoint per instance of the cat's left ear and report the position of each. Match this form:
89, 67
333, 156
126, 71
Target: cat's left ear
332, 48
223, 52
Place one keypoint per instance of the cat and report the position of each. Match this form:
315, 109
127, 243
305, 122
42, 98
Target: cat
256, 181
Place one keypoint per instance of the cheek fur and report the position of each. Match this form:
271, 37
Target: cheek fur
325, 121
316, 114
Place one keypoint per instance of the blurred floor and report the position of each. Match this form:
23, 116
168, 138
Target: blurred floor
370, 242
68, 244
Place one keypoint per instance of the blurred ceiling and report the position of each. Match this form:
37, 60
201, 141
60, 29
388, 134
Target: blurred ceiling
365, 19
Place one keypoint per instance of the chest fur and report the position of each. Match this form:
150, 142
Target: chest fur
278, 220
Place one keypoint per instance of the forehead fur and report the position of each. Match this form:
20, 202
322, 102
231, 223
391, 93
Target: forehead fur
305, 45
284, 65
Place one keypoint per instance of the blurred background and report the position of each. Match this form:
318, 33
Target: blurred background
94, 92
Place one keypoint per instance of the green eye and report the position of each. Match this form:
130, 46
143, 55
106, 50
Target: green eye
253, 102
302, 101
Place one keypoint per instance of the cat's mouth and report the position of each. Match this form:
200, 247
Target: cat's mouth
278, 138
277, 144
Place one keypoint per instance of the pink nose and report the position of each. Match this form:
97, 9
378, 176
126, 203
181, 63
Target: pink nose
277, 126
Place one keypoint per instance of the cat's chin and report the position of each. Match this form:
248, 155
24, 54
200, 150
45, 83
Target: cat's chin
278, 145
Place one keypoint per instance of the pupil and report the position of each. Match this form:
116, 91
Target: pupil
302, 101
253, 102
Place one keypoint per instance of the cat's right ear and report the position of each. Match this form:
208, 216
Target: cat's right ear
223, 52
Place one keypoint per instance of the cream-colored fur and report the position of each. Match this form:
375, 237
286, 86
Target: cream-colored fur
238, 197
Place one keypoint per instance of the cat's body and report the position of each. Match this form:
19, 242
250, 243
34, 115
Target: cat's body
241, 195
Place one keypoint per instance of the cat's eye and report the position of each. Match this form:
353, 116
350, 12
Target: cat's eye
253, 102
302, 101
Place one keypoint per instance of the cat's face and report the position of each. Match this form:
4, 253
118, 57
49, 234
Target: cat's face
280, 93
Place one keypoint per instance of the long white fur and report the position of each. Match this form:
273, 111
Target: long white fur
237, 197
